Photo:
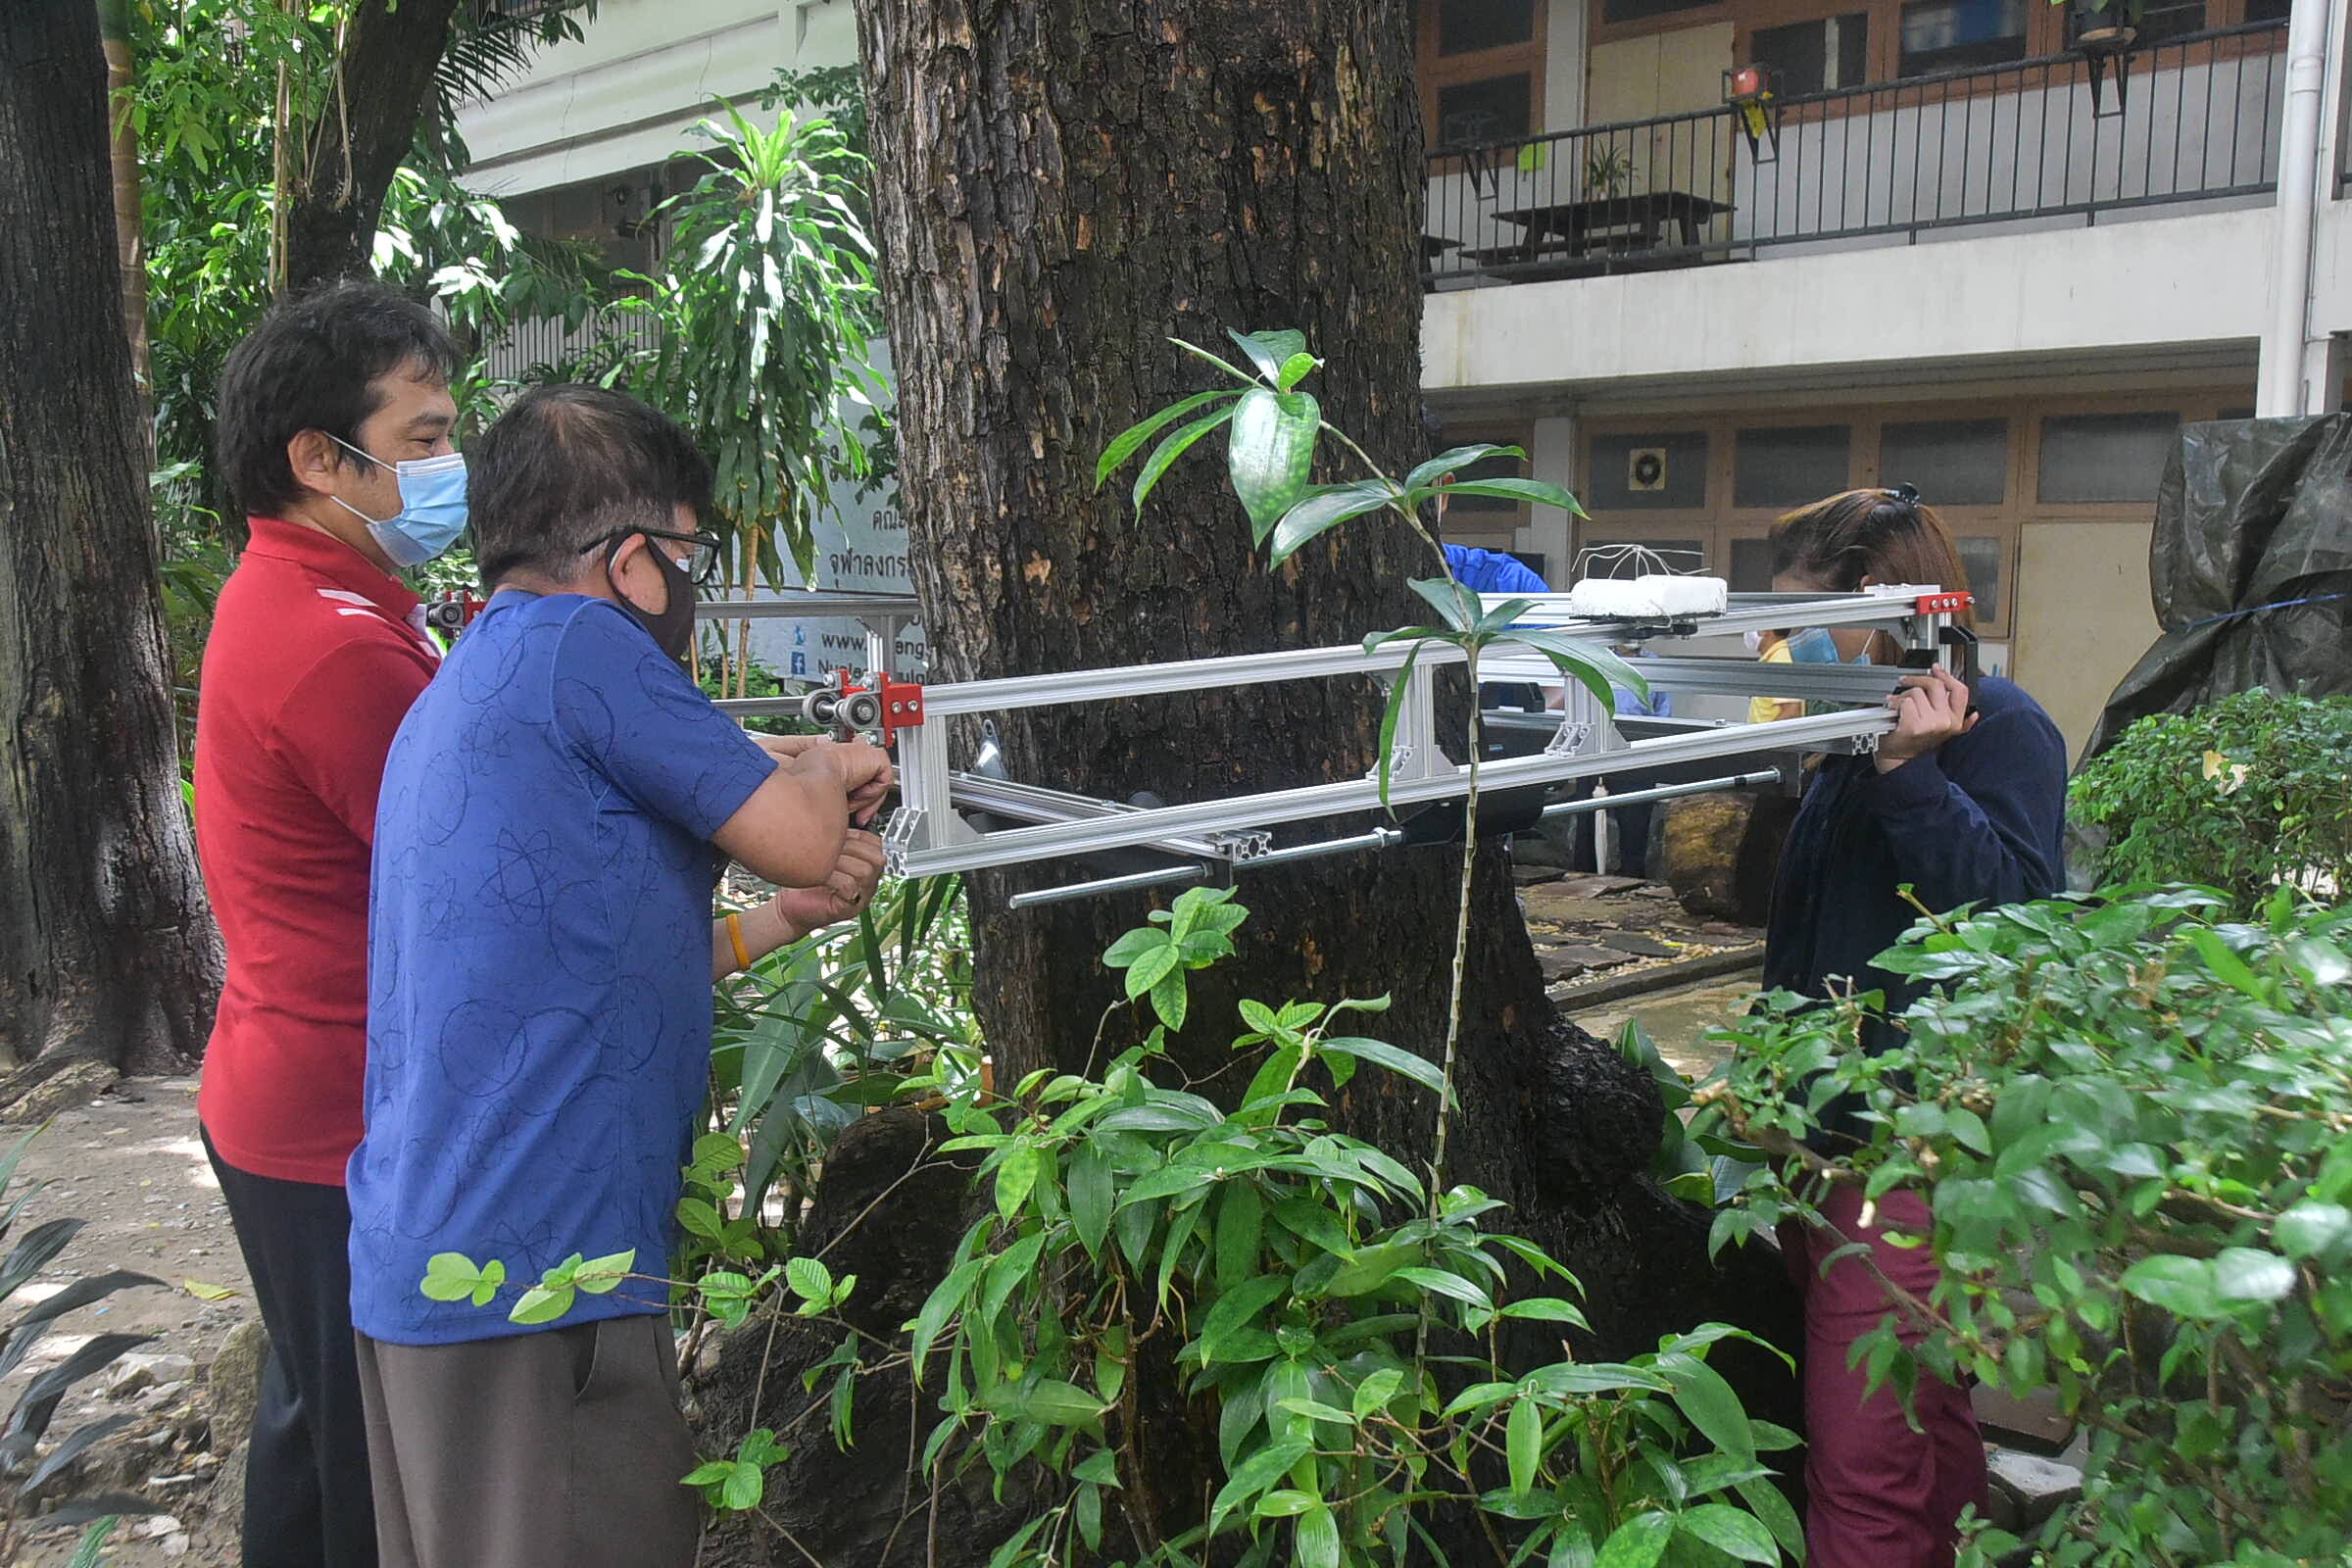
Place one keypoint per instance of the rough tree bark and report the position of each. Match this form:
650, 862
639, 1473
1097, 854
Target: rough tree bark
384, 81
106, 947
1061, 186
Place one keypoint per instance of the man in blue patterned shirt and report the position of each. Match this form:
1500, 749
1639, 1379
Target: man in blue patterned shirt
554, 815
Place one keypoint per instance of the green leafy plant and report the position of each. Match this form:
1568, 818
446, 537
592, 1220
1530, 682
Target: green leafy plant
2242, 795
1608, 171
1273, 432
24, 1469
1287, 1271
2128, 1115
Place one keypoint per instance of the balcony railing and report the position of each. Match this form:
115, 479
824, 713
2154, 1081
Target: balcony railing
2191, 119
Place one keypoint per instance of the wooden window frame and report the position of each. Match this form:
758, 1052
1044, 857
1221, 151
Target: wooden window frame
1503, 432
1434, 72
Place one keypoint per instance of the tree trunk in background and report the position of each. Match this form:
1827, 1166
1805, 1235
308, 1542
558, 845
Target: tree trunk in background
1061, 186
131, 251
106, 947
384, 83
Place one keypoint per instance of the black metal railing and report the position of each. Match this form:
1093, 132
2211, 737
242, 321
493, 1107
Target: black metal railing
2189, 119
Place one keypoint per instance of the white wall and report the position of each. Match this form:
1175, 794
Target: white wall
644, 72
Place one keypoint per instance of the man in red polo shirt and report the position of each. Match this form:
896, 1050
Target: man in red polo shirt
334, 430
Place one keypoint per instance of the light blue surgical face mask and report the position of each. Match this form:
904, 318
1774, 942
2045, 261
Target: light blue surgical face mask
432, 506
1815, 646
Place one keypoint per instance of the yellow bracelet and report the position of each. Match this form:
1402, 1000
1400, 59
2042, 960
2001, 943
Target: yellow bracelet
743, 954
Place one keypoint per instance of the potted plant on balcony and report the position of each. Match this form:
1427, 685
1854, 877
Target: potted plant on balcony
1607, 173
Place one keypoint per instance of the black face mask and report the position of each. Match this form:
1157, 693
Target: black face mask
673, 628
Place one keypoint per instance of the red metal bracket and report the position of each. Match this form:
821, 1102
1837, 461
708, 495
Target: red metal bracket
1943, 603
901, 705
453, 611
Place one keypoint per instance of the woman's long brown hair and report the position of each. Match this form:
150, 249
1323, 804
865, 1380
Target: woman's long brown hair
1885, 535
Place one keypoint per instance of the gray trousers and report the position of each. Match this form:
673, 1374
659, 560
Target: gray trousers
562, 1449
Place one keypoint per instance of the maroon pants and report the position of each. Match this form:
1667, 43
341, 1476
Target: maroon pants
1879, 1493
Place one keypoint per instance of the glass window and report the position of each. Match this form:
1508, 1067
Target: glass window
1648, 471
1986, 559
1954, 34
1788, 466
1814, 56
1638, 10
1491, 109
2089, 458
1952, 462
1752, 565
2159, 20
1464, 26
2268, 10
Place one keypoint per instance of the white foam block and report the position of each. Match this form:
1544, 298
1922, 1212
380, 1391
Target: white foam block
1662, 597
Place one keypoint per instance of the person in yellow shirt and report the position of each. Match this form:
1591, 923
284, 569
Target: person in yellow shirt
1764, 709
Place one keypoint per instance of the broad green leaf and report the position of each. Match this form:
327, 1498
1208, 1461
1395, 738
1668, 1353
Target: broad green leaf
1131, 440
1049, 1399
1369, 1268
2247, 1274
1456, 459
1728, 1530
1537, 491
810, 1279
1376, 1390
450, 1277
1316, 1542
1547, 1309
1524, 1444
1286, 1503
1403, 1062
1015, 1177
1241, 1232
1253, 1476
1592, 665
1270, 351
1175, 446
1319, 512
1709, 1404
1296, 368
1170, 999
2313, 1228
1151, 968
1237, 1308
542, 1304
1639, 1542
1133, 945
1090, 1198
1449, 1284
946, 1299
1455, 604
2228, 965
1397, 691
600, 1276
1269, 452
2182, 1286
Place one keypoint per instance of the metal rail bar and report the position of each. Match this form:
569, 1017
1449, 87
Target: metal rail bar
816, 606
1378, 839
1814, 732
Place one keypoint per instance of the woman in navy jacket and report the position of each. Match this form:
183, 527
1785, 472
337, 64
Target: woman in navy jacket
1962, 802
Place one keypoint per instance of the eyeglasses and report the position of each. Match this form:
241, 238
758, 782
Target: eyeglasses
701, 564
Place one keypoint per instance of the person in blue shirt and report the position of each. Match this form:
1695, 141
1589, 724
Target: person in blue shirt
1962, 802
554, 815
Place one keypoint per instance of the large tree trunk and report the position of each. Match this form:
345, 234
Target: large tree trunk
106, 947
1061, 186
388, 53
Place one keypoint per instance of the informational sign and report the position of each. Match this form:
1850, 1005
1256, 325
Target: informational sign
861, 547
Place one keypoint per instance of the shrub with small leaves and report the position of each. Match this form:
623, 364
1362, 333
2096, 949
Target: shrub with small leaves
2241, 795
2133, 1120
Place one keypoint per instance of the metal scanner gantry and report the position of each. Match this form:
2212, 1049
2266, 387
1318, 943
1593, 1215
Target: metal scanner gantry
929, 833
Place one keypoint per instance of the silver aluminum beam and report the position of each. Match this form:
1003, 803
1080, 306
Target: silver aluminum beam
1050, 841
1725, 677
1034, 802
1745, 612
1378, 839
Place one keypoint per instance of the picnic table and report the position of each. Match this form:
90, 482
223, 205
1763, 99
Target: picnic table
1604, 224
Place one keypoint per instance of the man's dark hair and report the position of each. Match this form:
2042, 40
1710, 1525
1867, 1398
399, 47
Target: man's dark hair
313, 364
569, 465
